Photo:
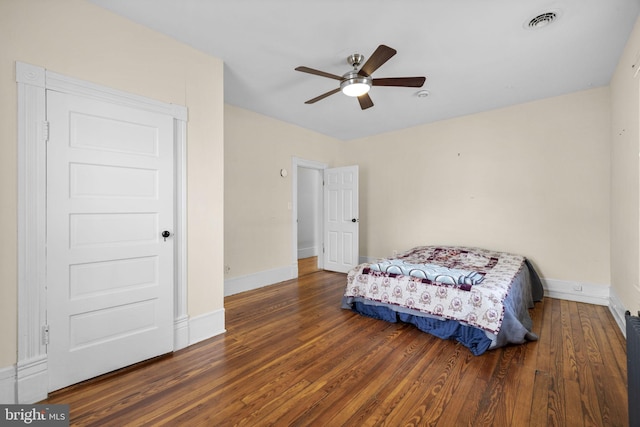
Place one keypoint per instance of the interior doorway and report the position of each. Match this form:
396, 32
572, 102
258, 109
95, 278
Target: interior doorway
309, 219
307, 206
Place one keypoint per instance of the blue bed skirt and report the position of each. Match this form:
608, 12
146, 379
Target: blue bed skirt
472, 338
516, 325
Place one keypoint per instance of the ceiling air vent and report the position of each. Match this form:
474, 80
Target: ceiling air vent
542, 20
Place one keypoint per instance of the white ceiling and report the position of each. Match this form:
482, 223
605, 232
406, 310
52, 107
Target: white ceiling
477, 55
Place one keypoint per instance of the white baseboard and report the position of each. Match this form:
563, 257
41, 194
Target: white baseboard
8, 385
617, 309
32, 380
206, 326
180, 333
307, 252
576, 291
235, 285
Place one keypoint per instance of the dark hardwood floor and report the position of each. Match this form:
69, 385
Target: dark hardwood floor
292, 357
307, 266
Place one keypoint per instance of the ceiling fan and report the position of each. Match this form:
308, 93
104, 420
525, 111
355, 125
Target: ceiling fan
357, 83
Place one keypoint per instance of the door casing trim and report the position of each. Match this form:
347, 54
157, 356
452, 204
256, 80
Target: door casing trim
32, 84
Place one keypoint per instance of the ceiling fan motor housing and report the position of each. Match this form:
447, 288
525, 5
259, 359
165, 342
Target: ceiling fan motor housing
355, 60
354, 84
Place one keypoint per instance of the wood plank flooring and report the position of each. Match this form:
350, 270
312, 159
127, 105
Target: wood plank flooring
292, 357
307, 266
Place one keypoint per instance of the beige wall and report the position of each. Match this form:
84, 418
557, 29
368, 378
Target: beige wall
625, 138
83, 41
258, 221
556, 180
531, 179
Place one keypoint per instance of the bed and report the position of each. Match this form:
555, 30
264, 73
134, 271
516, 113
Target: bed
478, 297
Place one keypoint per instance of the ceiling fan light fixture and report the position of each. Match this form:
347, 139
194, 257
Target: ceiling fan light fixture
355, 84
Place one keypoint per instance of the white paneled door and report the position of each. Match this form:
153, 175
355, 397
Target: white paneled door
341, 221
109, 268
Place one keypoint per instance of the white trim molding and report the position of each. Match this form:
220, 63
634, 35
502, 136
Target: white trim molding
32, 81
206, 326
308, 252
576, 291
32, 379
617, 309
31, 232
8, 385
235, 285
181, 317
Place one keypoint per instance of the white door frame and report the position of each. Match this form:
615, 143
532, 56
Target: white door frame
33, 82
310, 164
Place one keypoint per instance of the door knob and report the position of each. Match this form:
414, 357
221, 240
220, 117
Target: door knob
354, 220
165, 234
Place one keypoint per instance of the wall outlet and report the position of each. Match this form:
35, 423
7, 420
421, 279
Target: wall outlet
227, 269
394, 252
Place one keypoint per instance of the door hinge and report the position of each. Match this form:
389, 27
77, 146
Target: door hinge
45, 335
45, 131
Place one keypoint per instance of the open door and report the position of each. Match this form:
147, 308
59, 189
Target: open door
341, 220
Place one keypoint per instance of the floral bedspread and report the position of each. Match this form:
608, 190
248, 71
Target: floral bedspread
429, 272
480, 305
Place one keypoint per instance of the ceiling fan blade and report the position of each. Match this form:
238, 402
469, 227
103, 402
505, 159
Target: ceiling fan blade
400, 81
318, 73
365, 101
381, 55
323, 96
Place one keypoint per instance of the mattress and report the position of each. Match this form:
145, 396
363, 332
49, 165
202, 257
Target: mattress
479, 297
